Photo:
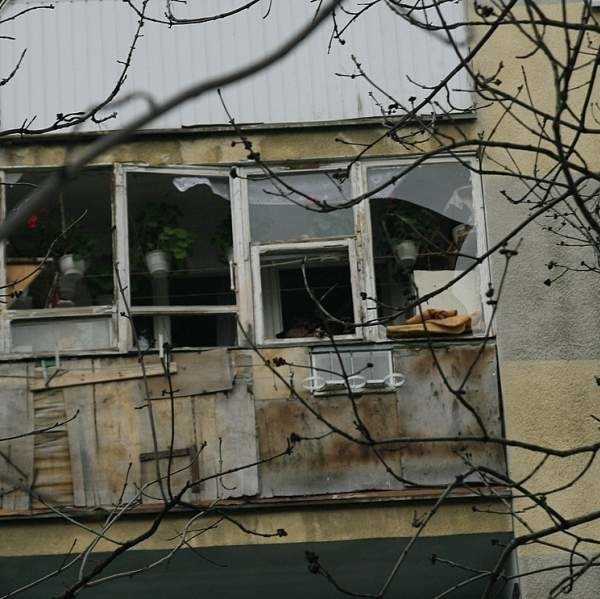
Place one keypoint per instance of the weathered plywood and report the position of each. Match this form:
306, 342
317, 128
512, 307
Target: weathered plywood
83, 446
52, 473
205, 427
118, 439
428, 409
175, 473
198, 373
16, 457
329, 463
169, 417
66, 378
104, 442
266, 383
236, 435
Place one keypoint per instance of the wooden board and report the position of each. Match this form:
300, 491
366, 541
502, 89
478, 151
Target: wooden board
16, 416
52, 474
68, 378
205, 427
83, 446
198, 373
236, 433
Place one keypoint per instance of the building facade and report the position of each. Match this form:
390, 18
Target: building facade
206, 303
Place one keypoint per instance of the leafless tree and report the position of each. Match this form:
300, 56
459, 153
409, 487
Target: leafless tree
534, 134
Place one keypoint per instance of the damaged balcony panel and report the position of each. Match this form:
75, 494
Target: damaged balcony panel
234, 416
426, 408
328, 463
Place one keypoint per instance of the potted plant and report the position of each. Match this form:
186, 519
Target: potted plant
76, 248
100, 279
161, 238
409, 230
222, 241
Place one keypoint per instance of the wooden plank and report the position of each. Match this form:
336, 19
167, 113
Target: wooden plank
118, 439
76, 378
184, 438
236, 433
205, 427
198, 373
52, 474
83, 445
16, 416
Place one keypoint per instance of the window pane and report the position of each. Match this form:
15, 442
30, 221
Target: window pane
180, 240
280, 214
79, 270
424, 233
206, 330
288, 308
64, 334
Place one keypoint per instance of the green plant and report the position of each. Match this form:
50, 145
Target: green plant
100, 275
408, 221
77, 242
158, 228
222, 239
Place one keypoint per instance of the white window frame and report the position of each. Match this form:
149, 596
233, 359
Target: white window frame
87, 312
377, 333
259, 250
246, 256
258, 247
121, 208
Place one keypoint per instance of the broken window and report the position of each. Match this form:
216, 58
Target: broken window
282, 254
181, 257
290, 207
304, 288
426, 231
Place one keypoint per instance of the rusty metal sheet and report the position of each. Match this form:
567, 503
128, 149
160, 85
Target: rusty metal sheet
428, 409
330, 464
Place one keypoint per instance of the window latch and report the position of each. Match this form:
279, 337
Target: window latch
232, 285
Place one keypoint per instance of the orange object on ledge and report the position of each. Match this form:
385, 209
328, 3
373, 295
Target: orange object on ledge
432, 321
20, 274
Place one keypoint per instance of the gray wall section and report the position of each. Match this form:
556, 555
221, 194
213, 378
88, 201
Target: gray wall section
275, 571
542, 583
537, 322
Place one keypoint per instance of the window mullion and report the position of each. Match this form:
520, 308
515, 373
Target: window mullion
240, 221
121, 252
364, 248
4, 324
482, 243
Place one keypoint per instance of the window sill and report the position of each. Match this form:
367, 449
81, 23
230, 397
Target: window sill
46, 313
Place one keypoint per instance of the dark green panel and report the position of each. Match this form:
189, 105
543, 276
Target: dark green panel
274, 571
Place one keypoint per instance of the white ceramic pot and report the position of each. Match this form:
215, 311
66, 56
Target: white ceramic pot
158, 263
406, 253
70, 267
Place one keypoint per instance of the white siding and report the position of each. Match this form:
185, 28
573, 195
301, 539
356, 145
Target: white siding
72, 54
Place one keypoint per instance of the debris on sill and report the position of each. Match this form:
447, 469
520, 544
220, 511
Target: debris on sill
432, 321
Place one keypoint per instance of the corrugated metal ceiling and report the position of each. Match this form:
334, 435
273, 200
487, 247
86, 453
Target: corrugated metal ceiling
73, 53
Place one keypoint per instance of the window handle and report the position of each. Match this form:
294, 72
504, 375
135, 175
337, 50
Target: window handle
231, 274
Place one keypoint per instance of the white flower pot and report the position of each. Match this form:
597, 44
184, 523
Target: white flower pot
158, 263
70, 267
406, 253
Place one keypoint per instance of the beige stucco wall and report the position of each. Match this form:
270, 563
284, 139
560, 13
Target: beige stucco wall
306, 524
